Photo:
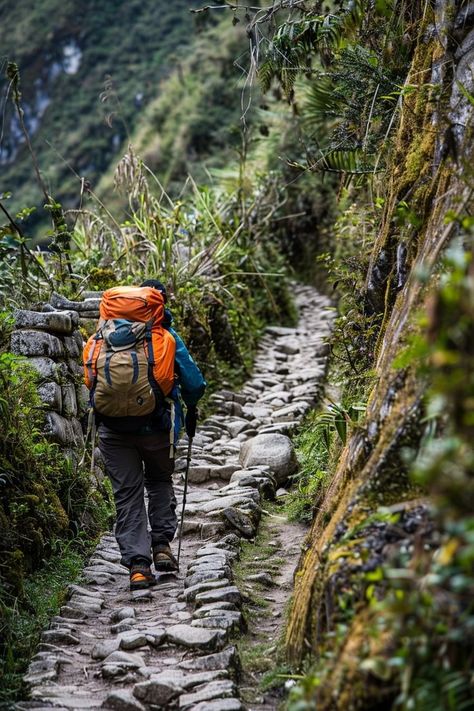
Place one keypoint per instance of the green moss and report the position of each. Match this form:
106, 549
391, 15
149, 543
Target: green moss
24, 616
101, 278
420, 155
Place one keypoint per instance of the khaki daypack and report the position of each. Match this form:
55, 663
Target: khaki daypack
129, 361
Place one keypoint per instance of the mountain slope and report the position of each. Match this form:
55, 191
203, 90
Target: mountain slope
88, 71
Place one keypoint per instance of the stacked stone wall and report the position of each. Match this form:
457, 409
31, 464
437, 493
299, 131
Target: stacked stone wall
52, 340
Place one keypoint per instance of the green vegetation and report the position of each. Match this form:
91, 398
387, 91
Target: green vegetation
44, 496
86, 80
25, 616
50, 510
192, 126
359, 150
318, 446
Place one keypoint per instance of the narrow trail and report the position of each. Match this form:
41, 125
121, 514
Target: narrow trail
274, 555
173, 646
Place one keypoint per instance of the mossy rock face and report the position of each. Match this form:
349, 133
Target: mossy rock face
373, 519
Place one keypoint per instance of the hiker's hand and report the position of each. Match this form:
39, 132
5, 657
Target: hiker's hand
190, 420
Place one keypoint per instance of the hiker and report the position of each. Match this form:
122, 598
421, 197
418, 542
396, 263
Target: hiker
136, 363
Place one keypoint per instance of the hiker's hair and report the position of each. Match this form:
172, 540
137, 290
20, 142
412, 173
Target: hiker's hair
158, 285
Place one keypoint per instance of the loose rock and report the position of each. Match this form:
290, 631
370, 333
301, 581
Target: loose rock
273, 450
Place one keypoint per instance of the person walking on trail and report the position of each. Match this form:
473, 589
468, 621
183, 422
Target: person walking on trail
137, 369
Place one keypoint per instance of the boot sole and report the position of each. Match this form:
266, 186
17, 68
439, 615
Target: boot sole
143, 585
165, 567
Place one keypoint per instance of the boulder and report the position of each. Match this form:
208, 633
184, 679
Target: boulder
272, 450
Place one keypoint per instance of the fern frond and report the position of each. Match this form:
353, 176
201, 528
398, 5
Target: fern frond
321, 102
352, 162
287, 80
265, 74
294, 42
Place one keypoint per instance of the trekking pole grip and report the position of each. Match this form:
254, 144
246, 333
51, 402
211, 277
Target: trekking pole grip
190, 421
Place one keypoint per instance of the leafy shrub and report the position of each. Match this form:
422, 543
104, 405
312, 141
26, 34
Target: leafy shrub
320, 440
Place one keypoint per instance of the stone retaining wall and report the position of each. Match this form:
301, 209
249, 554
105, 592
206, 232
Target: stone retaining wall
51, 341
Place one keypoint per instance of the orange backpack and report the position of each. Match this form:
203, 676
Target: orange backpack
129, 361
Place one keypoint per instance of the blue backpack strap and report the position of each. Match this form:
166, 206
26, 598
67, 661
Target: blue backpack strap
134, 357
107, 367
148, 338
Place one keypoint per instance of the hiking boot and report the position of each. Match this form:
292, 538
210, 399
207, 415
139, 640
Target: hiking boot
164, 560
141, 576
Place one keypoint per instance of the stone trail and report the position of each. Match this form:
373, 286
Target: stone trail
171, 646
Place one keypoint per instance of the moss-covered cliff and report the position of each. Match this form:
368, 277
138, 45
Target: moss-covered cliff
381, 597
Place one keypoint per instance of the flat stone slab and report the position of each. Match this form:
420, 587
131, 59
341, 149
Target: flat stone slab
204, 576
59, 637
210, 550
73, 613
230, 704
227, 594
226, 620
195, 637
190, 594
213, 690
84, 592
227, 659
133, 640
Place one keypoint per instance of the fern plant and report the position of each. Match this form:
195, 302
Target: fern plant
295, 42
341, 81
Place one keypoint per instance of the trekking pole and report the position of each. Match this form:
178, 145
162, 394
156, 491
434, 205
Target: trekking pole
188, 462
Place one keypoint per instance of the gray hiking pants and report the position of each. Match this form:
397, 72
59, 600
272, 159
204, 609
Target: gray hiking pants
134, 462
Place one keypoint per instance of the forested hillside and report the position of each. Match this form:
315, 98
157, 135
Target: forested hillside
325, 142
89, 71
